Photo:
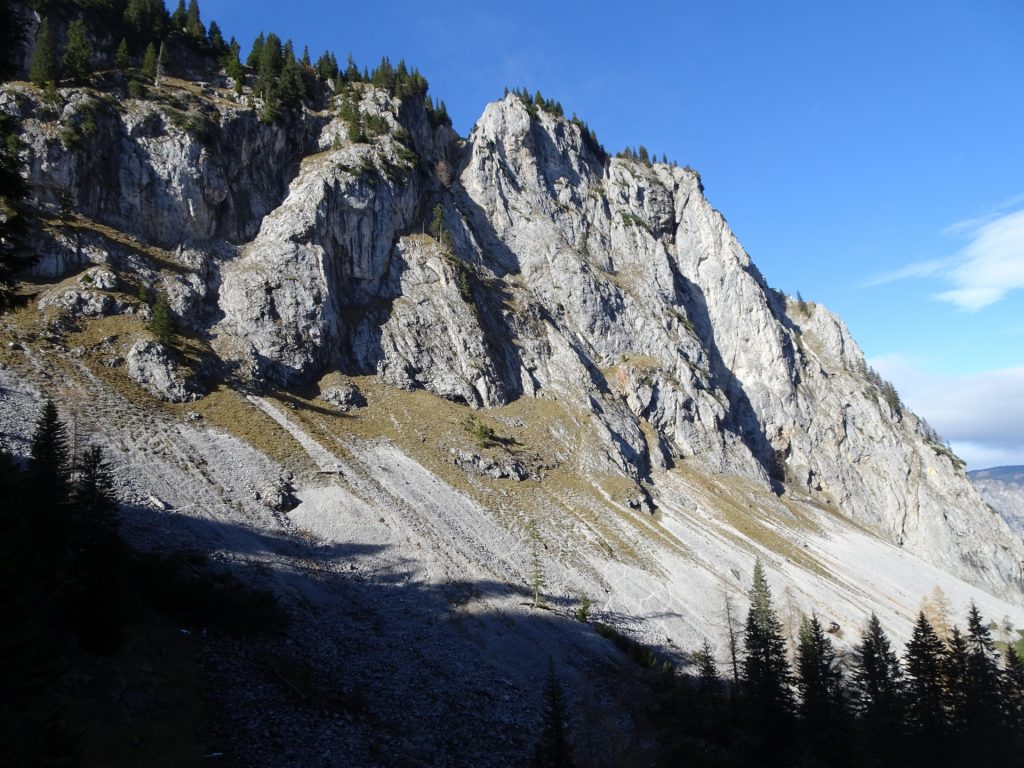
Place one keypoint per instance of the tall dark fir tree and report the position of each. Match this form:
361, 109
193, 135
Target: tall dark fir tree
924, 663
766, 676
819, 680
876, 696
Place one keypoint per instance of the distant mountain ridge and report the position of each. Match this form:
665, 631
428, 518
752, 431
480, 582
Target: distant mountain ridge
1002, 488
1011, 474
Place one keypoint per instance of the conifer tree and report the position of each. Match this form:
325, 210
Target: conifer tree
149, 63
875, 677
94, 494
936, 605
821, 694
818, 678
876, 695
955, 681
351, 70
253, 61
233, 67
78, 53
1013, 691
99, 556
193, 24
926, 700
48, 484
766, 673
49, 460
122, 59
216, 38
982, 695
553, 750
707, 669
161, 322
438, 229
146, 21
180, 16
43, 67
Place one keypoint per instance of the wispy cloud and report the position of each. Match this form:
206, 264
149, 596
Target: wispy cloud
989, 267
914, 269
973, 224
981, 414
992, 266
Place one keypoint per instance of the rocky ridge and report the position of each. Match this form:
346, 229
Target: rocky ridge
562, 274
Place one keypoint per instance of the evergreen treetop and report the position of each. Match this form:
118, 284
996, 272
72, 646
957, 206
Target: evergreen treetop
924, 663
766, 672
875, 677
78, 53
43, 67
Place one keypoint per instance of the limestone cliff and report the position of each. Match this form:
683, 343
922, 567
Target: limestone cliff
552, 273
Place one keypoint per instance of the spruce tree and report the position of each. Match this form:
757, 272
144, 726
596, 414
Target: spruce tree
97, 570
233, 67
766, 673
1012, 687
876, 695
48, 483
122, 59
194, 24
981, 705
924, 663
149, 63
955, 680
821, 695
253, 61
49, 462
818, 677
146, 21
707, 670
43, 67
161, 323
268, 67
217, 43
438, 229
875, 677
78, 53
180, 16
553, 750
94, 496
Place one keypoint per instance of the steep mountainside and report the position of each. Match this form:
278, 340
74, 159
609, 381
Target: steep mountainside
1002, 488
477, 364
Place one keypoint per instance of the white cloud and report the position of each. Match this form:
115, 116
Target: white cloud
970, 225
981, 414
982, 273
914, 269
993, 264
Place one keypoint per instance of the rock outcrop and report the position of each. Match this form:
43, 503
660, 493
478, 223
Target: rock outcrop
150, 365
519, 263
1002, 488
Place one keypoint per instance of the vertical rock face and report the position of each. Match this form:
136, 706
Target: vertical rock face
548, 271
639, 273
1002, 488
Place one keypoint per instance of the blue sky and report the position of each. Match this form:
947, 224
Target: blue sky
869, 155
